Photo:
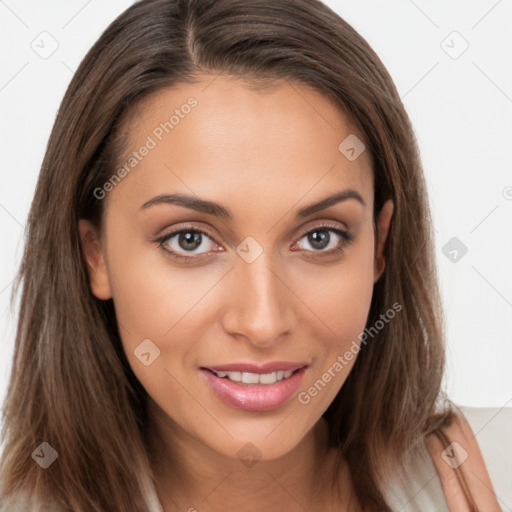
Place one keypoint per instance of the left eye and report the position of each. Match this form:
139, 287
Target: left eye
321, 240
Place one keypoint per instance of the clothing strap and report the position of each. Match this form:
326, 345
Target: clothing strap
461, 468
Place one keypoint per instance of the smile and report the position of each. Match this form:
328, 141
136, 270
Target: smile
263, 390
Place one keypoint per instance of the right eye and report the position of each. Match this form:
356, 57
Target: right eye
187, 240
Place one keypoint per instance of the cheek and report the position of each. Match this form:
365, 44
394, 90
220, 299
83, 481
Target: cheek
144, 299
342, 300
156, 308
149, 295
341, 296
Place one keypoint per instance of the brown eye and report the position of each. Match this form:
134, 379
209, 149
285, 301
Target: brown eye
187, 243
189, 240
321, 238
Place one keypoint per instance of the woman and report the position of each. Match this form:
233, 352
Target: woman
291, 357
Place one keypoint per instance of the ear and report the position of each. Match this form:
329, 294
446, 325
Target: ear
95, 260
382, 234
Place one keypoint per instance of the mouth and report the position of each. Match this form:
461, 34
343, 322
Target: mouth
253, 388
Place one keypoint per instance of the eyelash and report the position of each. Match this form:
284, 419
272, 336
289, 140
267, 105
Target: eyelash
346, 239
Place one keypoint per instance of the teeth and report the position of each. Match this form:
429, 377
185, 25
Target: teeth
268, 378
250, 378
256, 378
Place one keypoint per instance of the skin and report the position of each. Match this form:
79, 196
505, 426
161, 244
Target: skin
262, 154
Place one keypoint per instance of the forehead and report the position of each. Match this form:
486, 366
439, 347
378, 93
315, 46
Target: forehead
225, 138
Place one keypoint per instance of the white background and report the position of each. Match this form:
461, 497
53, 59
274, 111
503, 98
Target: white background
461, 109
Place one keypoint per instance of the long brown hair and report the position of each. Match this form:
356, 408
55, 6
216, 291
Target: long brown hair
71, 385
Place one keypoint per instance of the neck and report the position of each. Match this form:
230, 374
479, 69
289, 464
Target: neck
190, 476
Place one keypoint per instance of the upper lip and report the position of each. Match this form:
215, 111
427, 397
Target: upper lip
254, 368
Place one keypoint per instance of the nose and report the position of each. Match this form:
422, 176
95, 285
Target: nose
260, 306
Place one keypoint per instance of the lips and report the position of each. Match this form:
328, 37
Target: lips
255, 388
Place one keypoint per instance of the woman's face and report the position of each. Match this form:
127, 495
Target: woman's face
243, 275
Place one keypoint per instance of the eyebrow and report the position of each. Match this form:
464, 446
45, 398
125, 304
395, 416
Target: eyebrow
218, 210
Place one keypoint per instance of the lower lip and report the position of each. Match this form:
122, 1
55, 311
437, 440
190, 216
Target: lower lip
254, 397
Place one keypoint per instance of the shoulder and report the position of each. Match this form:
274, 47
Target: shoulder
459, 461
492, 428
489, 430
476, 444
